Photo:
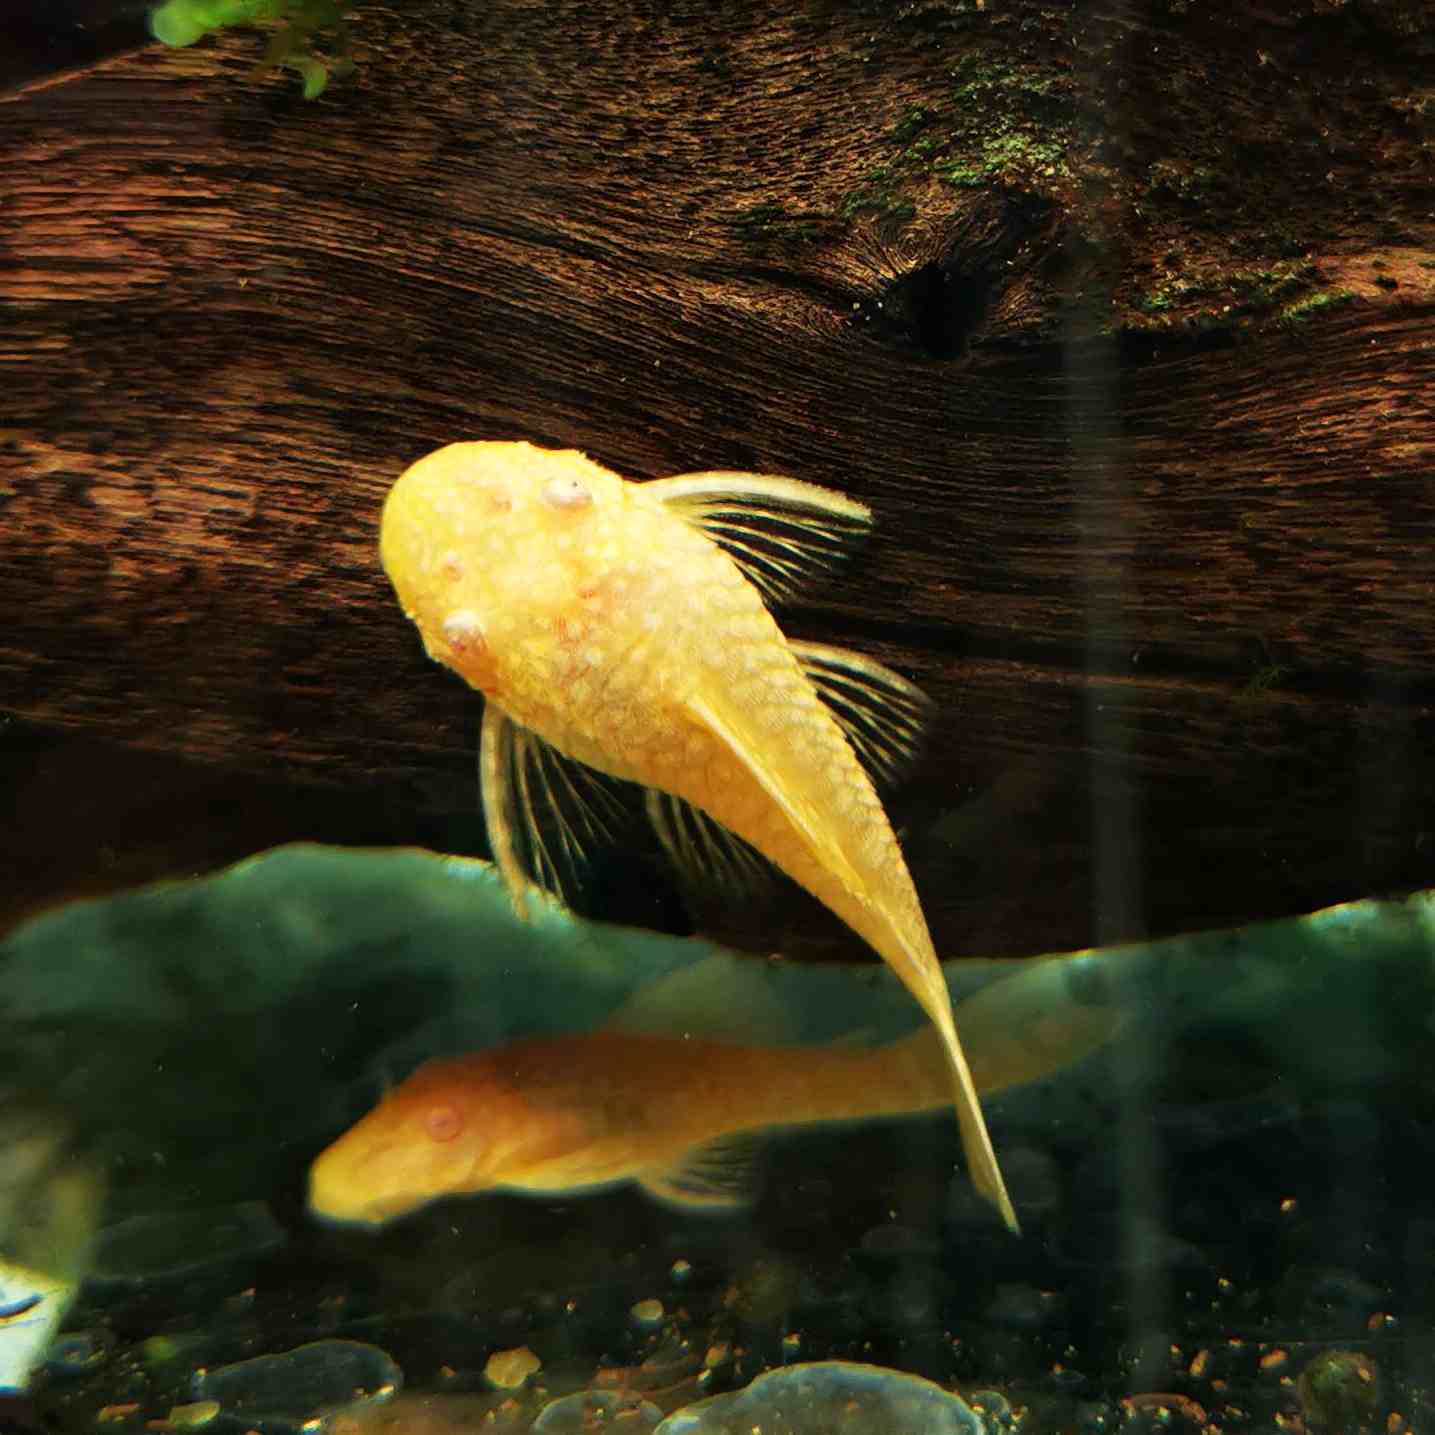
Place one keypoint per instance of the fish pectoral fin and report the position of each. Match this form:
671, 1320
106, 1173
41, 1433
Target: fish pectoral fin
880, 713
779, 531
543, 811
718, 1176
813, 832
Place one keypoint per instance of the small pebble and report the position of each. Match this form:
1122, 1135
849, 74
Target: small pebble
192, 1416
508, 1369
75, 1354
680, 1271
1095, 1417
647, 1314
1339, 1389
1165, 1409
995, 1410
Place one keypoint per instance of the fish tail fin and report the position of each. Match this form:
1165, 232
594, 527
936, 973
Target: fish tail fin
982, 1165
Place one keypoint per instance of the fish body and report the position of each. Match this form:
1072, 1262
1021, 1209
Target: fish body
613, 622
676, 1114
570, 1114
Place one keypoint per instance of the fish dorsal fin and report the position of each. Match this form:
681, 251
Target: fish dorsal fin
723, 997
703, 848
779, 531
719, 1176
879, 711
802, 814
528, 786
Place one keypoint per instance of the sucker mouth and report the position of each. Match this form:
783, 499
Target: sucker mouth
370, 1214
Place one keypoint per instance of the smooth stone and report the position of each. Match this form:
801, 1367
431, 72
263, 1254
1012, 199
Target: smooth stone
829, 1395
280, 1393
994, 1409
177, 1244
76, 1354
593, 1410
1340, 1390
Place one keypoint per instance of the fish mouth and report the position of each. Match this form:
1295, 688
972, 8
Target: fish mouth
366, 1215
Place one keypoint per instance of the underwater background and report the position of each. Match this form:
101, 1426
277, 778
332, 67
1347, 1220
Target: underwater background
1116, 317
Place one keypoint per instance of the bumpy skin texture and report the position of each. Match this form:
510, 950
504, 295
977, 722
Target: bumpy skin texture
619, 632
603, 626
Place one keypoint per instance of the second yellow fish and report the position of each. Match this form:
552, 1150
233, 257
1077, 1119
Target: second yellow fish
624, 625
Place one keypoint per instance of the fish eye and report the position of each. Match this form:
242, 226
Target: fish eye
566, 493
443, 1122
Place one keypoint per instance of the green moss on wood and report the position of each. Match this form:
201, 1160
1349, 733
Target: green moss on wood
1303, 309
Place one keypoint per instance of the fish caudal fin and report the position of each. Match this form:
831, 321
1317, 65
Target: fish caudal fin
982, 1164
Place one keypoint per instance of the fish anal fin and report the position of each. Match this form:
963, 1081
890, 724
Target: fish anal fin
543, 811
779, 531
803, 816
879, 711
718, 1176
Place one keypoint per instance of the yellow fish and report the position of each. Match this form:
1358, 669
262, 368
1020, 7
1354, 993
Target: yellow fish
676, 1114
624, 625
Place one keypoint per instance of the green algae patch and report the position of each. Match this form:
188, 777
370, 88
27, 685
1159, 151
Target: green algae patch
1010, 126
1313, 304
774, 226
996, 125
299, 26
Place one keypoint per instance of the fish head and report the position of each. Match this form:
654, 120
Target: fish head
492, 545
451, 1128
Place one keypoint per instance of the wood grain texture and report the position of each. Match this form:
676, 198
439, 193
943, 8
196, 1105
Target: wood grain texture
1153, 527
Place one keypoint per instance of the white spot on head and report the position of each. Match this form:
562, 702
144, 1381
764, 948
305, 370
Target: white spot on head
463, 632
566, 492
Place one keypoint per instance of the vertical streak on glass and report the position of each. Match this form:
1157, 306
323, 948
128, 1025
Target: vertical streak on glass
1102, 514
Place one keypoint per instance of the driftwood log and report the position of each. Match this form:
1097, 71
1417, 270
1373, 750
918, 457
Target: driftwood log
1120, 315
